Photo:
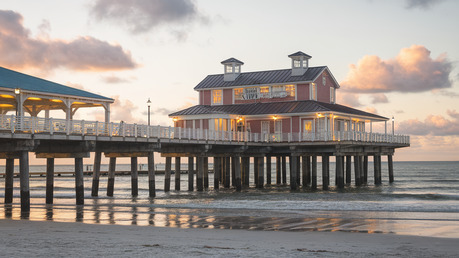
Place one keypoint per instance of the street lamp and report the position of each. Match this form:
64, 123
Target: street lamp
393, 121
148, 103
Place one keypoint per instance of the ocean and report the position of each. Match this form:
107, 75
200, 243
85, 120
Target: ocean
423, 201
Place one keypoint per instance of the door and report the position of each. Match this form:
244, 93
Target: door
278, 130
307, 129
265, 130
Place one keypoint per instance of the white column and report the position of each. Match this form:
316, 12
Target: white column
107, 113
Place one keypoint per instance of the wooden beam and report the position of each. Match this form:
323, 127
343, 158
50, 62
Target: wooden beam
62, 155
125, 154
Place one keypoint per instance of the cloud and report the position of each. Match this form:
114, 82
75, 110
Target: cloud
412, 70
140, 16
421, 4
371, 110
112, 79
432, 125
348, 99
19, 50
379, 98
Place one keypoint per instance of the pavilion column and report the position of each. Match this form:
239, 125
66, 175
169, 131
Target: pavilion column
268, 170
206, 173
24, 181
233, 171
357, 173
167, 174
79, 182
246, 166
200, 174
365, 169
134, 177
96, 173
151, 175
325, 172
9, 180
49, 180
260, 181
278, 170
298, 174
340, 171
107, 113
237, 166
227, 172
306, 170
255, 171
191, 174
348, 169
314, 173
293, 172
284, 170
177, 173
390, 165
217, 172
111, 176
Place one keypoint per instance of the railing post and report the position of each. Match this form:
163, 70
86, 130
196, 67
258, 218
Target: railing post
51, 126
206, 131
180, 133
169, 135
82, 127
110, 129
12, 122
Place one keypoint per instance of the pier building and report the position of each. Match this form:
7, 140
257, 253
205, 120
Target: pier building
244, 122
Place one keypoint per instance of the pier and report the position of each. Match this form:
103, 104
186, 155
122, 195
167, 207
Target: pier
231, 153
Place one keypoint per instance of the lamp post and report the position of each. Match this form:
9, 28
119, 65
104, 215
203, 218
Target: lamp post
393, 122
148, 104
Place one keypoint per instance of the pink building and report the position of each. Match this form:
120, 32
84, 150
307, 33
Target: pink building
300, 101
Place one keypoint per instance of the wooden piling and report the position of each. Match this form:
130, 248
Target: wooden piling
314, 173
79, 182
348, 169
111, 176
233, 171
357, 175
151, 175
325, 172
246, 165
24, 181
278, 170
134, 177
200, 174
206, 173
261, 169
293, 172
217, 173
9, 181
377, 169
339, 171
298, 174
167, 174
268, 170
306, 170
96, 173
237, 166
49, 180
365, 169
191, 174
255, 171
284, 170
177, 173
227, 172
390, 165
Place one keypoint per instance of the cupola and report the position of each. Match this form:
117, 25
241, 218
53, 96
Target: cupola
299, 63
232, 69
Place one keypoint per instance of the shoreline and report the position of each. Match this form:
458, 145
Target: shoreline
46, 238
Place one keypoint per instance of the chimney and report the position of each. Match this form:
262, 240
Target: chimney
300, 62
232, 69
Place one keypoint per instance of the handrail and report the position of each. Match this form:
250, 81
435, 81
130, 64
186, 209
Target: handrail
38, 125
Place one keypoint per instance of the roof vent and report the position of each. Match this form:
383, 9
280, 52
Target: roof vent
299, 63
232, 69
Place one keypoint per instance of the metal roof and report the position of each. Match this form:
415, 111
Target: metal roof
299, 53
288, 107
12, 79
260, 78
232, 60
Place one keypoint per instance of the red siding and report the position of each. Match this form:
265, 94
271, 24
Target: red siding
201, 97
323, 91
206, 97
286, 125
255, 126
197, 123
227, 96
302, 92
295, 124
179, 123
189, 123
205, 123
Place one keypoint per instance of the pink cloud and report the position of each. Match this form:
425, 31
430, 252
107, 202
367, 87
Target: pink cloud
348, 99
19, 50
432, 125
412, 70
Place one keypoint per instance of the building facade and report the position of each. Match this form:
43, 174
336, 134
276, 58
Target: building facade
299, 102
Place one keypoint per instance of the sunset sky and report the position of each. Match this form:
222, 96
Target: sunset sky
394, 58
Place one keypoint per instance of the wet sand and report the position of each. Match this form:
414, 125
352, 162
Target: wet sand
22, 238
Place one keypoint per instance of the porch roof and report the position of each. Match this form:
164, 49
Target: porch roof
274, 108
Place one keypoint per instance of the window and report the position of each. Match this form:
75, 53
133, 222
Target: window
332, 95
296, 63
305, 63
278, 91
217, 97
264, 92
324, 80
238, 93
307, 126
237, 68
290, 89
228, 69
251, 93
313, 91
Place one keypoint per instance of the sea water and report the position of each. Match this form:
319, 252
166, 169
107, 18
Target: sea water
423, 200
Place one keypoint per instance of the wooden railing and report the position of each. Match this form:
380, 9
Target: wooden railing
36, 125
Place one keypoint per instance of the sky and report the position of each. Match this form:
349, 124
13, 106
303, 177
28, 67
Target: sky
394, 58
